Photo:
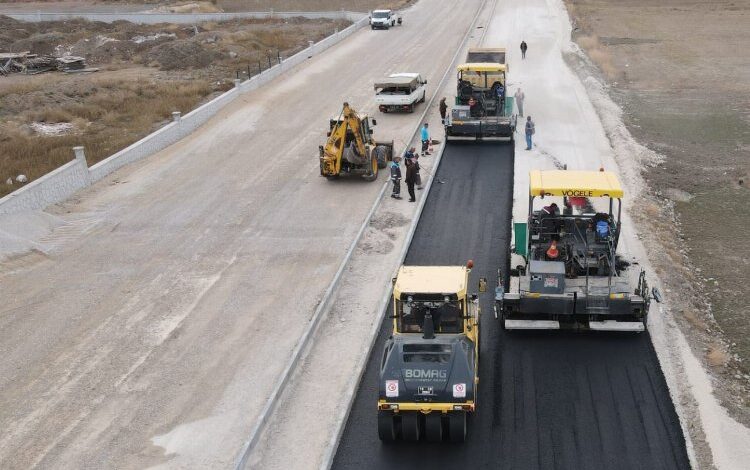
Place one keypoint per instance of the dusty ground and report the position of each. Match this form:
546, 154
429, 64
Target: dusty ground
201, 6
147, 71
156, 321
681, 71
309, 5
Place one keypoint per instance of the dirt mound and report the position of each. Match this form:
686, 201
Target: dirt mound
7, 23
42, 43
103, 49
5, 42
180, 54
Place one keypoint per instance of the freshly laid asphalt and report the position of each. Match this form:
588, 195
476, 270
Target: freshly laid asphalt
547, 400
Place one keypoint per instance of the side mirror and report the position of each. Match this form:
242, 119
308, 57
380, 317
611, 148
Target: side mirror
393, 280
374, 122
482, 284
328, 134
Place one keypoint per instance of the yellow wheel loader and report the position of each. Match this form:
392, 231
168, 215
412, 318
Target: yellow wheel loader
350, 148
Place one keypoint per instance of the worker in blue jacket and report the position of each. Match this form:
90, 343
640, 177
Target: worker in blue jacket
396, 177
425, 139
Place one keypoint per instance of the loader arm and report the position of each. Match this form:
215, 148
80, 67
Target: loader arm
333, 152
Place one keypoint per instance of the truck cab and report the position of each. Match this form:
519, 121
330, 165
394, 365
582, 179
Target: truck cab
429, 370
400, 92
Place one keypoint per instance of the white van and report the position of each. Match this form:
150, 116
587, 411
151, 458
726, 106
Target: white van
384, 19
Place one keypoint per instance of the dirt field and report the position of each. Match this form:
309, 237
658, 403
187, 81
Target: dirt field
201, 6
681, 71
309, 5
147, 71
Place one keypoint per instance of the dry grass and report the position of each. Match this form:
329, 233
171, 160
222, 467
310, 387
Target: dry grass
127, 100
113, 116
717, 356
598, 53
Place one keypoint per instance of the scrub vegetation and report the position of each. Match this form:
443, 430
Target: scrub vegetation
145, 73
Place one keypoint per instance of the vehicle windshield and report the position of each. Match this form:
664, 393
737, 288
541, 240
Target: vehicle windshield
434, 353
482, 79
446, 315
380, 14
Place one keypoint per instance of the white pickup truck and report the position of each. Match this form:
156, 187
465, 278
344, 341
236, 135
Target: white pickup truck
384, 19
400, 92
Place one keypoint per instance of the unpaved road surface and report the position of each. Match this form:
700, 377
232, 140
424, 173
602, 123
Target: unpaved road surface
175, 290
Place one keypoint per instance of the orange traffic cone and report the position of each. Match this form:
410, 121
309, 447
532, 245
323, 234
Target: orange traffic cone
552, 251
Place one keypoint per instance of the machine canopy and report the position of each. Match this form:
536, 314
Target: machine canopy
482, 67
431, 280
574, 184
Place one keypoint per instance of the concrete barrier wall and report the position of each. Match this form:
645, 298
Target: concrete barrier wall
189, 18
301, 56
162, 138
63, 182
51, 188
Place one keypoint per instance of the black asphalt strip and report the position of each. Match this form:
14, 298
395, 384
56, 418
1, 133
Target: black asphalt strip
547, 400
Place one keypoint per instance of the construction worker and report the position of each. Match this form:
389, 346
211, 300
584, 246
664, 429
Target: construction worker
411, 178
412, 155
519, 96
547, 219
396, 177
425, 139
409, 154
552, 210
524, 46
529, 132
472, 106
443, 110
501, 97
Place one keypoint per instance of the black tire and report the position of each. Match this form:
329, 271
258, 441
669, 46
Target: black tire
457, 426
381, 153
411, 427
373, 175
433, 426
386, 426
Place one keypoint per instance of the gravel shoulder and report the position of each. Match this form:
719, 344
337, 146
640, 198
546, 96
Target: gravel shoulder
679, 71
